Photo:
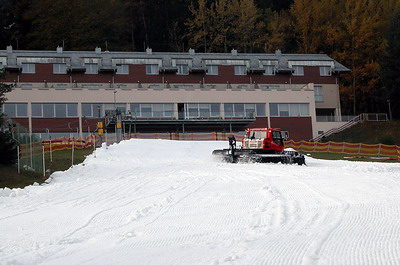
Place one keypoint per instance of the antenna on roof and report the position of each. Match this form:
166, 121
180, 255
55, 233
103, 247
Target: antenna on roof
106, 46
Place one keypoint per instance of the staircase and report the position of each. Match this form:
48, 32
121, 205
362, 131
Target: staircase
358, 119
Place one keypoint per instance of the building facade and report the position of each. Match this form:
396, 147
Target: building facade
69, 91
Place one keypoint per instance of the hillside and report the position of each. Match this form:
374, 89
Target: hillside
370, 133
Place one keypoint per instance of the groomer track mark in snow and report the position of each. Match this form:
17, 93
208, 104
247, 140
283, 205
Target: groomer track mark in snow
169, 202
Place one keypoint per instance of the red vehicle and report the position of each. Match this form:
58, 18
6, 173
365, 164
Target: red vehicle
261, 145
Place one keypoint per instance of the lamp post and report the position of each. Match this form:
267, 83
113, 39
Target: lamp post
390, 110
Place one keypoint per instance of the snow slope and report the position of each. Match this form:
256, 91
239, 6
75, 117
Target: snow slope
169, 202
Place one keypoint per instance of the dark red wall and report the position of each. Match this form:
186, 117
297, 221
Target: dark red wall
137, 73
260, 122
300, 128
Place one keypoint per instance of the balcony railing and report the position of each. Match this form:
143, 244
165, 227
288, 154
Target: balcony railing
344, 118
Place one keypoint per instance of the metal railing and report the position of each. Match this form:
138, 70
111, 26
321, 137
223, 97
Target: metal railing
358, 119
344, 118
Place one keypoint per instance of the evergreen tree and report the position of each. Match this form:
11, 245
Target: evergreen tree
390, 71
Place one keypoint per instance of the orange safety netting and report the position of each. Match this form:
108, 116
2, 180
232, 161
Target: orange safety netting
302, 146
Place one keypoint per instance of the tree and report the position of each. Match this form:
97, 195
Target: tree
390, 71
8, 152
224, 25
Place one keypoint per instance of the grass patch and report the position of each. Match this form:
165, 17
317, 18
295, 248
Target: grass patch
341, 156
10, 178
370, 133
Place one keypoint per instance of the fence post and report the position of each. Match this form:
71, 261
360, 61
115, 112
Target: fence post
329, 146
343, 145
94, 145
72, 153
30, 150
51, 152
313, 146
44, 163
359, 148
379, 149
18, 162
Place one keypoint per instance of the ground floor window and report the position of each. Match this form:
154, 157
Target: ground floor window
54, 110
152, 110
202, 110
244, 110
15, 110
289, 109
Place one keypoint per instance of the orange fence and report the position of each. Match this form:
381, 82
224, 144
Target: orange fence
302, 146
346, 148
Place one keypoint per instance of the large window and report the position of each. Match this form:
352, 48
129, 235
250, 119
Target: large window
325, 71
319, 97
202, 110
91, 68
212, 69
15, 110
122, 69
244, 110
240, 70
298, 70
289, 109
54, 110
152, 69
183, 69
269, 69
28, 68
143, 110
59, 68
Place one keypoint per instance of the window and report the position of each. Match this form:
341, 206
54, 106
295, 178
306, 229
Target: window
202, 110
72, 110
48, 110
122, 69
241, 110
325, 71
37, 110
183, 86
59, 68
90, 110
183, 69
269, 70
91, 68
55, 110
318, 94
15, 110
61, 110
28, 68
212, 69
240, 70
151, 69
298, 70
289, 110
156, 110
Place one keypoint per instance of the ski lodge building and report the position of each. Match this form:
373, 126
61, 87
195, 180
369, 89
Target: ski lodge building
69, 91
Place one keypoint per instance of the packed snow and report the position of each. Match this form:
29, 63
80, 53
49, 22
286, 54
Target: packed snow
169, 202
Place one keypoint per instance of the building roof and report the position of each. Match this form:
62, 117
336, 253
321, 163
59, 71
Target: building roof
198, 59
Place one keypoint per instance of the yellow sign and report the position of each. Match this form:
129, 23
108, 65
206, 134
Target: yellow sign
100, 131
100, 124
118, 125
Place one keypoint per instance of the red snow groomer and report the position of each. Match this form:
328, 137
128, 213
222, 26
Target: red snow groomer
264, 145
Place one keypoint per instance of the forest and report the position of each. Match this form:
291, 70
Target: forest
363, 35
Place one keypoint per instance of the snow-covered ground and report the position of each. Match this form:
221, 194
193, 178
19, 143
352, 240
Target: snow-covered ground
169, 202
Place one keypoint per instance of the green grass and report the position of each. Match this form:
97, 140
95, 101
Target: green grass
10, 178
341, 156
370, 133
